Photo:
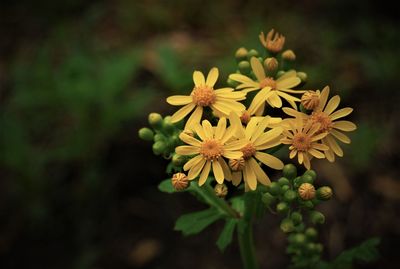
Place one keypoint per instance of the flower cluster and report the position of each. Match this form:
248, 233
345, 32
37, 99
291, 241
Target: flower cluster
229, 131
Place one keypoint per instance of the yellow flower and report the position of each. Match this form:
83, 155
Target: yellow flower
214, 144
273, 41
256, 140
325, 115
271, 90
302, 137
222, 101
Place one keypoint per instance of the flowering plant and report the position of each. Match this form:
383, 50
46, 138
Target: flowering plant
235, 137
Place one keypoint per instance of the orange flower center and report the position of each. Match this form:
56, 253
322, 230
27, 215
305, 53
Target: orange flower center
203, 95
323, 119
268, 82
301, 141
245, 118
248, 151
211, 149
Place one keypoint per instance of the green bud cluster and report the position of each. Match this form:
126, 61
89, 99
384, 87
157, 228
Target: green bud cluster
165, 137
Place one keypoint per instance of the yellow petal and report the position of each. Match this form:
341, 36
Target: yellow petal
198, 129
300, 157
236, 178
241, 78
259, 99
344, 125
332, 104
323, 98
290, 99
334, 146
196, 169
341, 136
182, 112
212, 77
194, 118
275, 100
268, 136
187, 150
294, 113
208, 129
288, 74
316, 153
204, 173
225, 168
226, 108
238, 95
260, 174
250, 177
221, 128
330, 156
232, 154
179, 100
250, 128
287, 83
228, 135
192, 162
236, 145
189, 139
198, 79
318, 137
237, 125
269, 160
292, 154
257, 68
218, 172
319, 146
260, 128
306, 162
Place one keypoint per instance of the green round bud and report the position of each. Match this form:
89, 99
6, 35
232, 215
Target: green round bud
287, 225
289, 171
167, 125
178, 160
268, 199
306, 178
280, 73
244, 67
289, 55
159, 147
290, 196
317, 217
311, 247
303, 76
285, 188
155, 120
283, 181
232, 83
296, 217
146, 134
241, 54
324, 193
311, 173
311, 233
282, 207
297, 182
319, 248
274, 188
160, 137
307, 204
252, 53
299, 239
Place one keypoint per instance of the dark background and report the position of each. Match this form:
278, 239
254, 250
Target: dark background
78, 188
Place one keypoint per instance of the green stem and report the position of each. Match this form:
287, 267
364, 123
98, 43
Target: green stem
246, 245
208, 194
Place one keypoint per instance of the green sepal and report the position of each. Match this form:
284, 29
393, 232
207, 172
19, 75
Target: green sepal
194, 223
166, 186
225, 238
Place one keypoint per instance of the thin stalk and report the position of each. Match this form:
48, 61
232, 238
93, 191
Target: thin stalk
246, 245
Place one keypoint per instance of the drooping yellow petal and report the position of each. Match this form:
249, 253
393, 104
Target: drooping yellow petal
204, 173
319, 146
189, 139
300, 157
316, 153
260, 174
332, 104
294, 113
212, 77
290, 99
237, 125
225, 168
330, 141
218, 172
259, 99
318, 137
179, 100
250, 177
292, 154
275, 100
341, 113
306, 162
236, 178
187, 150
194, 118
330, 156
198, 129
198, 79
323, 98
241, 78
208, 129
344, 125
341, 136
257, 68
221, 128
192, 162
196, 169
269, 160
182, 112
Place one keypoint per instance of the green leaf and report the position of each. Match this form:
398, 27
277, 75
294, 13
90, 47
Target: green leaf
166, 186
194, 223
225, 237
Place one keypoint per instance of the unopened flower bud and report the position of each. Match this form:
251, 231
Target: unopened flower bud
232, 83
311, 233
287, 225
252, 53
280, 73
290, 195
241, 54
296, 217
289, 55
155, 120
268, 199
299, 239
146, 134
180, 181
310, 173
303, 76
244, 67
178, 160
271, 64
289, 171
282, 207
237, 164
324, 193
274, 188
159, 147
221, 190
306, 191
273, 42
167, 125
310, 100
317, 217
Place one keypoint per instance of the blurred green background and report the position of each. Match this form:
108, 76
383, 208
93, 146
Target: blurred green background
78, 189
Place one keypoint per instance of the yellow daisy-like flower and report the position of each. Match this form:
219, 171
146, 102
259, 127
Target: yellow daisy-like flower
303, 140
325, 115
214, 144
271, 90
256, 140
222, 101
